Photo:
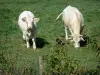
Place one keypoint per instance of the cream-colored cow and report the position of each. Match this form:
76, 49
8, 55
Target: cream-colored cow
27, 23
74, 21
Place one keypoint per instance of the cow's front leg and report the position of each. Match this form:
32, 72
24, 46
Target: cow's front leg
34, 39
27, 42
24, 37
34, 44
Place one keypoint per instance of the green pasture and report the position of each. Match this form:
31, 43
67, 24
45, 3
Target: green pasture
13, 50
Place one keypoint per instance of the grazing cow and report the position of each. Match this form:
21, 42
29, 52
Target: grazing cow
74, 21
27, 23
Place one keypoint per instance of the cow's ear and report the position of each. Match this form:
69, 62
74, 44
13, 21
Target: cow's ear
24, 19
36, 19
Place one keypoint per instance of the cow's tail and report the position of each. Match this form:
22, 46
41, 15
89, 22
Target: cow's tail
58, 16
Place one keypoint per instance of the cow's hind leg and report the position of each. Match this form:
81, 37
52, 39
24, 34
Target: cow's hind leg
71, 32
66, 33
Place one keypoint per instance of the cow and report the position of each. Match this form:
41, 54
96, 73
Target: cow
27, 24
74, 21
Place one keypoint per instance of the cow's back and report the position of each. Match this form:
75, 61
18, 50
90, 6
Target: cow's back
72, 17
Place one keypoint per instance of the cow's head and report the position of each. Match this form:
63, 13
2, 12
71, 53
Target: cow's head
76, 40
31, 23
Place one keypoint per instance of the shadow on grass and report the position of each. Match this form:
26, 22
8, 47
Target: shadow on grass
85, 42
61, 40
40, 42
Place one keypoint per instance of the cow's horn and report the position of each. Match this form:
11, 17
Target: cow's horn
82, 39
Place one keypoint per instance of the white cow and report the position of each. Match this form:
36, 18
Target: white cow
74, 21
27, 23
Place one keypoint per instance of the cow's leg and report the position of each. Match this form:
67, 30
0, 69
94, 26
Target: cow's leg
66, 33
34, 39
34, 45
24, 36
71, 31
27, 41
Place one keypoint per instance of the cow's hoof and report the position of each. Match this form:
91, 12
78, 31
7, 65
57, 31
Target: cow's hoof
34, 48
28, 46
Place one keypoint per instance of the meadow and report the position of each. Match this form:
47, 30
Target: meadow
16, 59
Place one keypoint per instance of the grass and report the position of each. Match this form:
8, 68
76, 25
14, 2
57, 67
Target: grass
12, 48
